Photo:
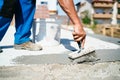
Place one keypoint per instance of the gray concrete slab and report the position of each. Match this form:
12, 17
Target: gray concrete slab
100, 55
107, 49
52, 63
100, 71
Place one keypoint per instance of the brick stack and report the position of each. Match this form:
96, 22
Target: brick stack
42, 12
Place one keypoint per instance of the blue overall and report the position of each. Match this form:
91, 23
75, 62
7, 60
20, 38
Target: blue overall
24, 14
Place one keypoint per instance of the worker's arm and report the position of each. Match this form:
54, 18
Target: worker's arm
79, 34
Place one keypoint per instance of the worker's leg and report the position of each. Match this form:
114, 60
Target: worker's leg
6, 14
4, 24
24, 14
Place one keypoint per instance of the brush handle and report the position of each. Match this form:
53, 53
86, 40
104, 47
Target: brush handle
79, 44
80, 47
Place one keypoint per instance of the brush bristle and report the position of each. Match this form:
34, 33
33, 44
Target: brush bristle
81, 53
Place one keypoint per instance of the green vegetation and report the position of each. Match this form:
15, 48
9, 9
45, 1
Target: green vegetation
86, 20
118, 10
118, 0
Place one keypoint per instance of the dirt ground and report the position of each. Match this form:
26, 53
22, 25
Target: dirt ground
98, 71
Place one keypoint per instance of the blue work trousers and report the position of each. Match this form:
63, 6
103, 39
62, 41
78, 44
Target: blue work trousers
24, 14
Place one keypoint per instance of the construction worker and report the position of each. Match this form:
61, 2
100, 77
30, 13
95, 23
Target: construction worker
24, 12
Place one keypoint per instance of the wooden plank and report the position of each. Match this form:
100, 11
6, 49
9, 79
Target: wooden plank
112, 30
102, 16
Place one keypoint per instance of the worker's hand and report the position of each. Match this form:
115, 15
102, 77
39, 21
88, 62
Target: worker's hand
79, 35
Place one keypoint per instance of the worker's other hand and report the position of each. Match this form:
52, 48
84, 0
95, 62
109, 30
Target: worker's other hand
79, 35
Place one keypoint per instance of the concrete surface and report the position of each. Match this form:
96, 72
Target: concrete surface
100, 71
107, 49
52, 63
